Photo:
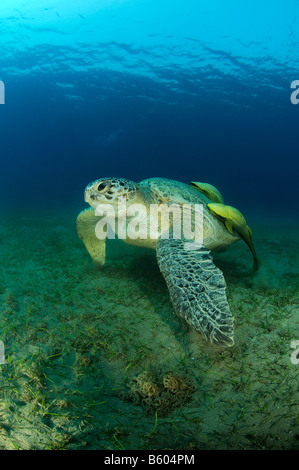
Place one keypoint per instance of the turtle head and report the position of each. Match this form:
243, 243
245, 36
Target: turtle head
109, 190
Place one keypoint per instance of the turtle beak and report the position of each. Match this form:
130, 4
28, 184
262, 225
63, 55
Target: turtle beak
86, 195
90, 196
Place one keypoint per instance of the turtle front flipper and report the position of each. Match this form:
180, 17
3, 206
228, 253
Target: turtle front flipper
86, 224
197, 289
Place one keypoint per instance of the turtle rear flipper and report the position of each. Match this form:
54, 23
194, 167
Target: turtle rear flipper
86, 224
197, 289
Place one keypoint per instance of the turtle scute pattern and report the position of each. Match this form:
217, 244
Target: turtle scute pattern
197, 289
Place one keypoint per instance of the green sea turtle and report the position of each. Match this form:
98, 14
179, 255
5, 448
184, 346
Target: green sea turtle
196, 286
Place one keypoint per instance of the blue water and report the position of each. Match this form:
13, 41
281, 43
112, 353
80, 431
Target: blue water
191, 90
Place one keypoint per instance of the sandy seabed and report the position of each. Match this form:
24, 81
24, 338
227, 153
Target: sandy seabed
97, 359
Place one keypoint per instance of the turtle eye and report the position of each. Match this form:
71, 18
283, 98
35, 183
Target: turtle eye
102, 187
